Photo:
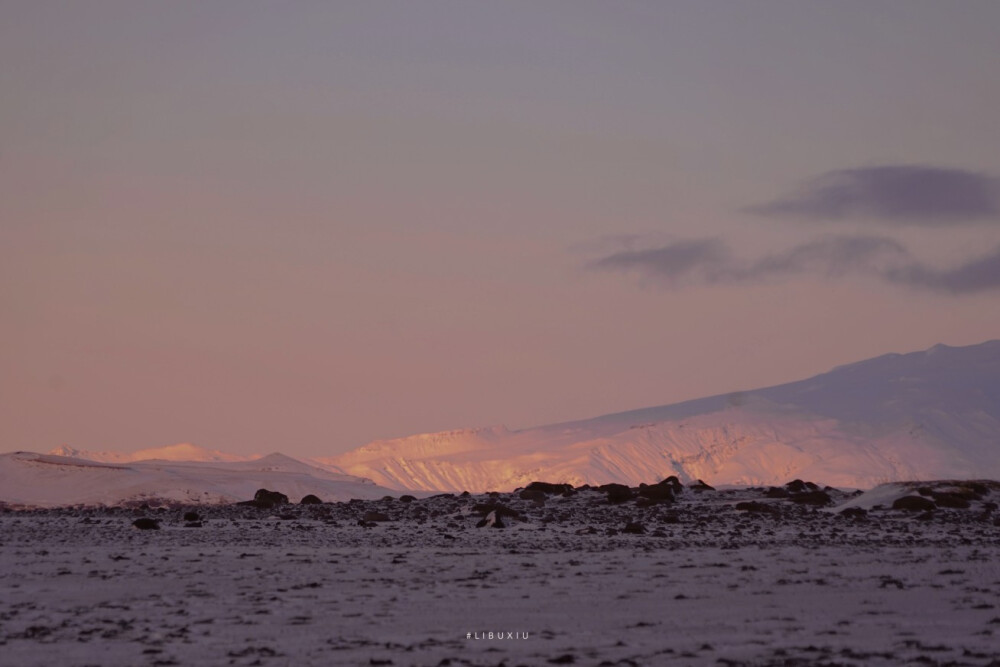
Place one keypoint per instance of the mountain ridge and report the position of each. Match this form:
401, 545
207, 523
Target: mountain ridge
932, 413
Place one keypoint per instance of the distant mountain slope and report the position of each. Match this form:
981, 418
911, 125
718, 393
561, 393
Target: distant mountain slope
45, 480
180, 452
930, 414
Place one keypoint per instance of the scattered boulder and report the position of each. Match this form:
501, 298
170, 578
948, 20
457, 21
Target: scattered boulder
914, 504
854, 512
755, 507
311, 500
536, 495
674, 484
371, 516
406, 499
617, 493
145, 523
978, 489
776, 492
700, 486
798, 486
658, 492
192, 516
952, 500
634, 528
547, 488
818, 498
502, 511
491, 520
265, 499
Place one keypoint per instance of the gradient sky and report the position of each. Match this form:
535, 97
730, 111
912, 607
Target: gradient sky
301, 226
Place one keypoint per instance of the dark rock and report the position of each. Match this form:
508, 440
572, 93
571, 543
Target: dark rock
658, 492
406, 499
265, 499
854, 512
483, 509
952, 500
796, 486
372, 515
914, 504
145, 523
673, 483
491, 520
193, 524
546, 487
617, 493
532, 494
192, 516
776, 492
818, 498
700, 486
757, 508
311, 500
634, 528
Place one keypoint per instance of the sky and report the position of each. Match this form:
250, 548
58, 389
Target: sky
303, 226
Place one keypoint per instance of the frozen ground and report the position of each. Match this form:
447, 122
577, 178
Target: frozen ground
774, 583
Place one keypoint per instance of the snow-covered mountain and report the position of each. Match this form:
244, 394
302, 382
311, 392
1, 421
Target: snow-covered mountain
180, 452
932, 414
46, 480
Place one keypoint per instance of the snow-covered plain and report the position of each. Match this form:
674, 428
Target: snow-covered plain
709, 582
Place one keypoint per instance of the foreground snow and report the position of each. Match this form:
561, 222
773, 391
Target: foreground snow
706, 584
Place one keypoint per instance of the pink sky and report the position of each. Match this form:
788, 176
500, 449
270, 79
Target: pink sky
301, 227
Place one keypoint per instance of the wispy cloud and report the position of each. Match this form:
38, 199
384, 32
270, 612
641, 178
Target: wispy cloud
976, 275
897, 194
676, 262
712, 262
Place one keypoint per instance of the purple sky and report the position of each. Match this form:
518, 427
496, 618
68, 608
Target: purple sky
302, 226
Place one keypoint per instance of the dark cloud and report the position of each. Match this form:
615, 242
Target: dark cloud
899, 194
674, 262
832, 256
711, 262
977, 275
